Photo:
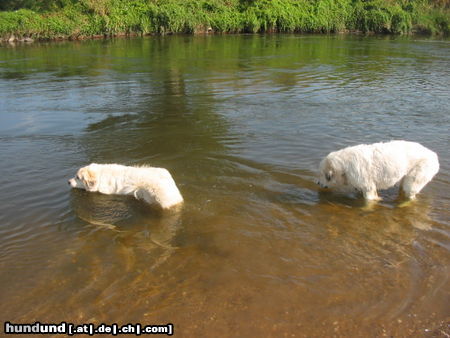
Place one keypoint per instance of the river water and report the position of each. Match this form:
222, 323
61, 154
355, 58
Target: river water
242, 123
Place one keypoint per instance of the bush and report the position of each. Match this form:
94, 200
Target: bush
77, 18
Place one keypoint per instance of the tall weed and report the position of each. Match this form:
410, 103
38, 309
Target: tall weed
79, 18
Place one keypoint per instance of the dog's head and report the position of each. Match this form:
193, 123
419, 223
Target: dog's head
86, 178
330, 174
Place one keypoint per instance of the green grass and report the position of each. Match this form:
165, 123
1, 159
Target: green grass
85, 18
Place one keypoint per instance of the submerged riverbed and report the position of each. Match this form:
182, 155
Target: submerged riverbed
242, 123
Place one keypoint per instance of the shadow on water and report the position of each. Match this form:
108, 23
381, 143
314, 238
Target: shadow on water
130, 223
120, 213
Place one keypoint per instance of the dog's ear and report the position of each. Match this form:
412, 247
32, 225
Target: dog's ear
89, 178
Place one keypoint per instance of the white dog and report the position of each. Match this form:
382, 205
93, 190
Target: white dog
153, 185
371, 167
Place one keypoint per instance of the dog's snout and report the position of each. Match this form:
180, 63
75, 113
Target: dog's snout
322, 185
68, 182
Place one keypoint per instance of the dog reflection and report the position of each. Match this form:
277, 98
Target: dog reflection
131, 223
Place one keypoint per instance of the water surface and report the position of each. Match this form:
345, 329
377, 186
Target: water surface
242, 123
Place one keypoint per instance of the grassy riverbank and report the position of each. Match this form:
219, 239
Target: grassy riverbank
86, 18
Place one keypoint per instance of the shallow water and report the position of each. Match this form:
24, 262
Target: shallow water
242, 123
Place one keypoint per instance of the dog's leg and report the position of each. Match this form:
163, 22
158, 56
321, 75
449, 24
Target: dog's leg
371, 195
146, 195
412, 186
408, 188
417, 178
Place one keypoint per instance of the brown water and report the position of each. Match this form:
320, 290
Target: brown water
242, 123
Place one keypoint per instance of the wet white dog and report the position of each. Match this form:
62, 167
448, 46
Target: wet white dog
153, 185
371, 167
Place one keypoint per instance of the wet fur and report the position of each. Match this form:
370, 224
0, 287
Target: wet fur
371, 167
153, 185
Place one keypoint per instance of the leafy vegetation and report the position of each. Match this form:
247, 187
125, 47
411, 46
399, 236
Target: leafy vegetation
50, 19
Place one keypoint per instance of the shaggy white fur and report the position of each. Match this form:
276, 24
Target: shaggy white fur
153, 185
371, 167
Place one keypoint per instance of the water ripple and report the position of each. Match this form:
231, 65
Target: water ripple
242, 123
